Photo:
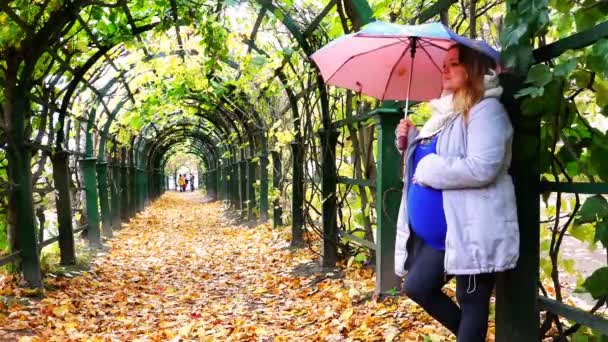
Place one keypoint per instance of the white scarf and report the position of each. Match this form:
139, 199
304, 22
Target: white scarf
443, 107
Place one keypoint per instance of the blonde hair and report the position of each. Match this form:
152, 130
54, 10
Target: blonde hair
476, 65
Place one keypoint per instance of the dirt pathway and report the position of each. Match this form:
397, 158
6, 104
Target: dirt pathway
178, 271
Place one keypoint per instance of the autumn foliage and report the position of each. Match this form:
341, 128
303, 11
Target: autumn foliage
180, 271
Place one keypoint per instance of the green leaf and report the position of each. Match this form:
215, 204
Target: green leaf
601, 92
596, 283
539, 75
564, 25
564, 69
584, 232
530, 91
279, 14
598, 160
511, 37
568, 265
585, 18
594, 208
601, 233
563, 6
582, 78
258, 60
287, 51
361, 257
579, 336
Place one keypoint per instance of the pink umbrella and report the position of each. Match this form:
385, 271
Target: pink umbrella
384, 60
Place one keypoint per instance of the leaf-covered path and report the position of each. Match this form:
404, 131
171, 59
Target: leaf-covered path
179, 271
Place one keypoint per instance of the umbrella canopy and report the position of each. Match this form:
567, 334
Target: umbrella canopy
393, 62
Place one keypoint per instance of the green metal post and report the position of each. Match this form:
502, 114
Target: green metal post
388, 197
115, 195
157, 184
135, 176
138, 190
205, 179
329, 139
277, 211
264, 180
227, 184
145, 188
297, 199
218, 184
141, 182
61, 177
21, 204
90, 185
517, 312
210, 180
243, 188
218, 177
148, 186
363, 13
222, 181
132, 191
229, 180
234, 185
145, 185
214, 182
124, 193
102, 184
251, 203
19, 172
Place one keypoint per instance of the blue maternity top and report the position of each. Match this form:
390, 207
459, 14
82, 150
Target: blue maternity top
425, 204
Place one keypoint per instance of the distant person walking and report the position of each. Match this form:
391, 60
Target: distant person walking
187, 182
181, 183
191, 182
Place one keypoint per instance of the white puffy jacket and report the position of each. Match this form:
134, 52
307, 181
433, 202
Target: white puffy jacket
470, 167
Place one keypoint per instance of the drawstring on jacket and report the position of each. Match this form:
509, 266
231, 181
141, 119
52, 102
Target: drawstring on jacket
469, 291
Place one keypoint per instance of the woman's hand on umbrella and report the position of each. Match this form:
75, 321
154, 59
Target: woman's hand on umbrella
404, 127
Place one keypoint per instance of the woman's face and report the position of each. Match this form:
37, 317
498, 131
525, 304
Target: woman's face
454, 73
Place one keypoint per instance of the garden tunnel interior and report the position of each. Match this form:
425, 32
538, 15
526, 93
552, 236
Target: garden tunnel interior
107, 91
98, 89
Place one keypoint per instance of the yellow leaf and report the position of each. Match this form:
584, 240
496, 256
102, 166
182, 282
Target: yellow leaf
60, 311
29, 339
261, 331
391, 333
346, 314
353, 292
165, 325
185, 330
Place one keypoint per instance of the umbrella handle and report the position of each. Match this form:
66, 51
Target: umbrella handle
413, 42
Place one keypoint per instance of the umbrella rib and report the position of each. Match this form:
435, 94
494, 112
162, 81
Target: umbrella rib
360, 54
435, 45
431, 58
390, 76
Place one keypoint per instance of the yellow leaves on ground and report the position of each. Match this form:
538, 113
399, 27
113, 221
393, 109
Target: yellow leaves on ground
180, 272
60, 311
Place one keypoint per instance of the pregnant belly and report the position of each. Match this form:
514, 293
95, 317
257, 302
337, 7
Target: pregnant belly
427, 218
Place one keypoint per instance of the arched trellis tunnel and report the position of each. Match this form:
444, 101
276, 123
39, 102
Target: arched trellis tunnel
83, 87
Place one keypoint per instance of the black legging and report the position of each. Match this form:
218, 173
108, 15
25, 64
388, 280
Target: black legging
423, 285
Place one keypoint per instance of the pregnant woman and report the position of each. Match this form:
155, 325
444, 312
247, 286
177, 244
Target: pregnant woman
458, 215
